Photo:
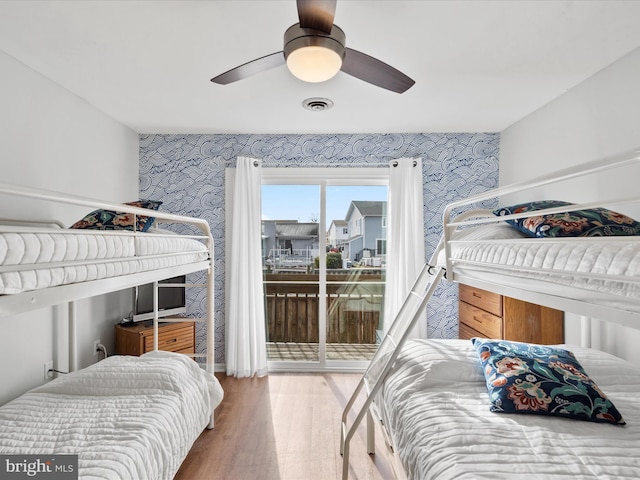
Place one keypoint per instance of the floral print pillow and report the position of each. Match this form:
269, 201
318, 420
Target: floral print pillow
576, 223
539, 379
110, 220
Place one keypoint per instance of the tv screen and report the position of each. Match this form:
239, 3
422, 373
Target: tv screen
171, 300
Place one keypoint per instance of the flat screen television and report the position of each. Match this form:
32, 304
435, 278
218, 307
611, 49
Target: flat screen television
171, 300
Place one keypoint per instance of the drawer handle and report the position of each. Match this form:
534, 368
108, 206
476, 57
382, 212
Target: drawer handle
172, 340
477, 295
479, 320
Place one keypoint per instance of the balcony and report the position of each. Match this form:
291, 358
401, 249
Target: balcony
354, 306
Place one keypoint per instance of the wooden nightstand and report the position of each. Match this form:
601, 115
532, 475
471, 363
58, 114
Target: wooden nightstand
480, 313
487, 314
138, 339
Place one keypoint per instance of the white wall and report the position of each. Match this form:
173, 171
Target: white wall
50, 138
597, 118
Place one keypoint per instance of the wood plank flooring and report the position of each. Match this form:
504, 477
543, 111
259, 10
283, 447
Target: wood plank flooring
283, 427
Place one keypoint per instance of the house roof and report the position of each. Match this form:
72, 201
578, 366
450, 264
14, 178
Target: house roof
368, 208
297, 230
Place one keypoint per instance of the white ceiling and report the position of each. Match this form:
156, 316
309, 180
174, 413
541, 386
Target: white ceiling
478, 65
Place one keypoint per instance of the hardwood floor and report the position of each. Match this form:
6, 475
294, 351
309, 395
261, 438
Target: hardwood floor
283, 426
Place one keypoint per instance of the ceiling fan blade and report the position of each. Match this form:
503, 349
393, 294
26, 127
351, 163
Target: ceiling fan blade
317, 14
372, 70
250, 68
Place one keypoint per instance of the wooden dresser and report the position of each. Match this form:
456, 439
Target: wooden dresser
487, 314
172, 337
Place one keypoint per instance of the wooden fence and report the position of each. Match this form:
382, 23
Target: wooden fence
353, 311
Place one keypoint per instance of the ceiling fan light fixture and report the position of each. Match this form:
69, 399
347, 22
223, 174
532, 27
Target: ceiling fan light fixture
312, 55
314, 50
314, 63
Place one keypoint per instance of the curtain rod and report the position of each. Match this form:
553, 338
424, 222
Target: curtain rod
360, 164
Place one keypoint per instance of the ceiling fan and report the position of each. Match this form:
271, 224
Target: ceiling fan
314, 51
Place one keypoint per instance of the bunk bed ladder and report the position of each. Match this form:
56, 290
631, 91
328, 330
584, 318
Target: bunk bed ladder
384, 359
209, 321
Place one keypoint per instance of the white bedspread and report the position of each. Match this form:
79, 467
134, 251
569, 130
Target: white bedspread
30, 261
436, 408
126, 417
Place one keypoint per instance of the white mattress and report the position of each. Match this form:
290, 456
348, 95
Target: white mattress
30, 261
499, 254
125, 417
436, 408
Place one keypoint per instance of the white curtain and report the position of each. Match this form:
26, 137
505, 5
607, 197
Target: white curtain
405, 237
245, 336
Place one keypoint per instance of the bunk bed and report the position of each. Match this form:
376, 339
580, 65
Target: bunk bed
124, 417
450, 409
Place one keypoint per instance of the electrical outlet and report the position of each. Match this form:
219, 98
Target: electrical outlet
96, 352
48, 370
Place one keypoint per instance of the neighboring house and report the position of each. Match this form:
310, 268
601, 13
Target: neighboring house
367, 224
289, 244
338, 234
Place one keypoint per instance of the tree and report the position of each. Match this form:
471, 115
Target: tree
334, 261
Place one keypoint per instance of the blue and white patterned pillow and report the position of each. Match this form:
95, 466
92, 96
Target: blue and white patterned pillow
594, 222
539, 379
111, 220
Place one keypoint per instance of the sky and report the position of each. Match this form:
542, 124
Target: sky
302, 202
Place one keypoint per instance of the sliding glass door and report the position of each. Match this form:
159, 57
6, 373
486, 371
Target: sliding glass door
355, 266
324, 258
291, 249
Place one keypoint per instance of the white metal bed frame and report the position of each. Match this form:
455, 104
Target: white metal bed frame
433, 271
13, 304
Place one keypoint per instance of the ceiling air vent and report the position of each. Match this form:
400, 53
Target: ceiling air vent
317, 104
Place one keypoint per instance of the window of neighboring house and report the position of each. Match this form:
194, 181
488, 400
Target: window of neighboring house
384, 222
381, 246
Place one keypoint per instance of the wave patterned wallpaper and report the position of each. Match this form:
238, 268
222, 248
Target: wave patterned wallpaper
187, 173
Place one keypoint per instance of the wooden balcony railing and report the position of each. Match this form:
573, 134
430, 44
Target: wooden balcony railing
353, 310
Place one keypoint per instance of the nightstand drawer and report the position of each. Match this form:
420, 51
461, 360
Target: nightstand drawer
489, 301
171, 342
465, 332
485, 323
172, 337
